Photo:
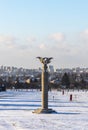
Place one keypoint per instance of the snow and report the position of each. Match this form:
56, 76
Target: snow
16, 109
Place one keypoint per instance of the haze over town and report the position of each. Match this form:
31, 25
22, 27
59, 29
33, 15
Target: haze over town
52, 28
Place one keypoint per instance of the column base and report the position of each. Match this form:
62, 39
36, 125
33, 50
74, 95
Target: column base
43, 111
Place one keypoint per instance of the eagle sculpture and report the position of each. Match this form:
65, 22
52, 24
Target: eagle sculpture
45, 60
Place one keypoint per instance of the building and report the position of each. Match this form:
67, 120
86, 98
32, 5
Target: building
51, 69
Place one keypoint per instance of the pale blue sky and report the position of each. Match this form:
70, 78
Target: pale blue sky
33, 16
30, 28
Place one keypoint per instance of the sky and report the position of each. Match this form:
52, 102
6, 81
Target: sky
45, 28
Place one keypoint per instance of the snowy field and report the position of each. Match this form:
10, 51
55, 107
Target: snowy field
16, 109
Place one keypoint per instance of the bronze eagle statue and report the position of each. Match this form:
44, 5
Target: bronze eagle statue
45, 60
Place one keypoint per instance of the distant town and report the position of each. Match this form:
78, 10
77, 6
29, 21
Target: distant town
14, 71
61, 78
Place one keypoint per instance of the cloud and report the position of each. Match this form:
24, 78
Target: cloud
84, 35
42, 46
59, 37
11, 42
8, 41
65, 52
31, 39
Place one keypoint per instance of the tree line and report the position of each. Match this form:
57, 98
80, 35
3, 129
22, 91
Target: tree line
66, 81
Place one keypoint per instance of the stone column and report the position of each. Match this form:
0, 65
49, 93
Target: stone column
44, 84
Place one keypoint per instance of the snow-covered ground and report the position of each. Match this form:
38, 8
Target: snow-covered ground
16, 109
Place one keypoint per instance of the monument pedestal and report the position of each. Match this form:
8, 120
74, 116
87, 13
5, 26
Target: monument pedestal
44, 111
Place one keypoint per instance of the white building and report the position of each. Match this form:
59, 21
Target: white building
51, 69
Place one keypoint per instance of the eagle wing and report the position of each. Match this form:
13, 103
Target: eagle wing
40, 58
